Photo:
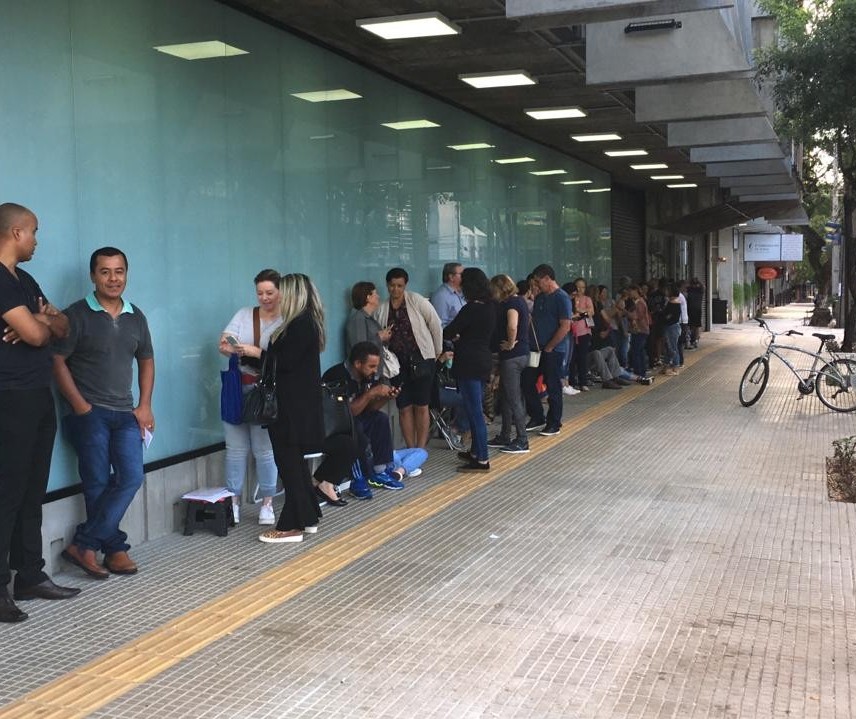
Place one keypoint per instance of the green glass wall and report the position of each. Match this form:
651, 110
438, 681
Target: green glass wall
206, 171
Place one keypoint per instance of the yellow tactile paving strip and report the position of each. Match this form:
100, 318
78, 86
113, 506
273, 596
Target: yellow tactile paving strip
94, 685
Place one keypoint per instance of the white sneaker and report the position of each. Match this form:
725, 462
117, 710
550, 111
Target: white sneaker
266, 515
311, 530
236, 512
570, 391
415, 472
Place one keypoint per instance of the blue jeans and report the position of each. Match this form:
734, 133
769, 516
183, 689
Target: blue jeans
471, 391
451, 398
106, 439
240, 440
638, 360
672, 333
410, 459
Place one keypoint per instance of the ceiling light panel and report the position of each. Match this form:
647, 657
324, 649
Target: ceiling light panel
598, 189
667, 177
576, 182
513, 160
471, 146
403, 27
651, 166
625, 153
555, 113
510, 78
597, 137
327, 95
683, 184
543, 173
410, 124
201, 50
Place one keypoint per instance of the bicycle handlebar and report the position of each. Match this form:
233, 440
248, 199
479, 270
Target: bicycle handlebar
794, 332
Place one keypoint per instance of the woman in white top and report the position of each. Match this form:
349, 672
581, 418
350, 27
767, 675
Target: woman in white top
241, 338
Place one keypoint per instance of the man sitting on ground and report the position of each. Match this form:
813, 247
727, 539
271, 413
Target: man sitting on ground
367, 396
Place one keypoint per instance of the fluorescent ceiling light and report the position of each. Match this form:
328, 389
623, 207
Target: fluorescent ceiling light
625, 153
598, 189
667, 177
201, 50
439, 167
513, 160
596, 137
326, 95
684, 184
322, 137
576, 182
471, 146
652, 166
548, 172
554, 113
400, 27
410, 124
482, 80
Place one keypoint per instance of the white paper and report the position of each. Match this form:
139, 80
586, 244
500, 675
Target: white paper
208, 494
147, 438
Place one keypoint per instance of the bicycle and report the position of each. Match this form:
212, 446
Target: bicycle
834, 381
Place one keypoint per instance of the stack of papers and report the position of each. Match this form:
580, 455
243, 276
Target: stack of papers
208, 494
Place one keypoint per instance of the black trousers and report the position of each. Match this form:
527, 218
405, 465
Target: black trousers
340, 451
300, 509
27, 431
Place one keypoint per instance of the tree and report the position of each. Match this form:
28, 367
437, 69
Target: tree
812, 70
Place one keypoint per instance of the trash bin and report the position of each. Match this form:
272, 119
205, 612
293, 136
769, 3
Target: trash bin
720, 312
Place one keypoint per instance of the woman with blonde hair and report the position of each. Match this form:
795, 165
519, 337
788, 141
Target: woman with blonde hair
296, 346
513, 332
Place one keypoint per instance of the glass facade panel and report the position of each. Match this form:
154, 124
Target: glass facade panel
206, 171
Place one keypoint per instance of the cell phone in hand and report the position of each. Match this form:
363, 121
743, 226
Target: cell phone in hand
232, 340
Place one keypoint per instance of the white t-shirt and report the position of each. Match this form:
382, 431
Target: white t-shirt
685, 318
241, 327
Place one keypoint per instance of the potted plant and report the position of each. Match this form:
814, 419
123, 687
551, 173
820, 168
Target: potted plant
841, 470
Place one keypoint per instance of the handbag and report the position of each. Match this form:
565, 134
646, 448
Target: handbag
338, 419
260, 403
391, 367
420, 368
231, 394
534, 355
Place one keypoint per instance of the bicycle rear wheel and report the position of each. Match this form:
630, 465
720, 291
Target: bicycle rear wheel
754, 381
836, 385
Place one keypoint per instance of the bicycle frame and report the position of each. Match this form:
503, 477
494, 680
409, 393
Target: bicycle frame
811, 373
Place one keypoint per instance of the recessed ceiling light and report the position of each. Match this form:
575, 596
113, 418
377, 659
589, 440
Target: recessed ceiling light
510, 78
667, 177
410, 124
400, 27
576, 182
598, 189
542, 173
201, 50
471, 146
625, 153
322, 137
652, 166
554, 113
683, 184
597, 137
326, 95
513, 160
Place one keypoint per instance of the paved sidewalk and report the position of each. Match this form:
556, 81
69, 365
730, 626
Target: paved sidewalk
672, 554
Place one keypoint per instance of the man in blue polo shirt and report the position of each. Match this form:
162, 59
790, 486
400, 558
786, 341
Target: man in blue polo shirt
551, 320
448, 299
27, 416
93, 368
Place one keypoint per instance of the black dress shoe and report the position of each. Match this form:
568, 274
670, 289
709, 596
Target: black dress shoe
45, 590
9, 612
466, 456
474, 466
338, 502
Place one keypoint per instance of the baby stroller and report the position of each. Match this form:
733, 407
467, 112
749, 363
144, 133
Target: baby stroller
441, 415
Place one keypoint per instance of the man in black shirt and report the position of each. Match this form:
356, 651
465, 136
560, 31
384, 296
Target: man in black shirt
27, 417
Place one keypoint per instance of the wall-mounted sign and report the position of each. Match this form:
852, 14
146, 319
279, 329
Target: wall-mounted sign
767, 273
772, 247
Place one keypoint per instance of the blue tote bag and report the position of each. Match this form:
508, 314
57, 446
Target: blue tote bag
231, 395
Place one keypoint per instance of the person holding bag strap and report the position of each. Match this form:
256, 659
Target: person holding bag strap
363, 327
248, 331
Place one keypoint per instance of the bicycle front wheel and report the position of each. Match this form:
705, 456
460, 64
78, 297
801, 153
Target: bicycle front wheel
836, 385
754, 381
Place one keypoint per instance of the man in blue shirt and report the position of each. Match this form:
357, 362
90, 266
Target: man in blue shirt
448, 299
551, 320
93, 368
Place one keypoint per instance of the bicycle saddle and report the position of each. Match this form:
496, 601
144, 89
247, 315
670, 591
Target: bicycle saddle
822, 337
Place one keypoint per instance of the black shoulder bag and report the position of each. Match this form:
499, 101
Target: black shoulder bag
260, 405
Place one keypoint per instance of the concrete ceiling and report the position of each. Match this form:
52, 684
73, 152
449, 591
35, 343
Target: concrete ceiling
551, 52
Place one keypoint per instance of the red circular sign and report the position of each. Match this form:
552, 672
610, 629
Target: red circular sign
767, 273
